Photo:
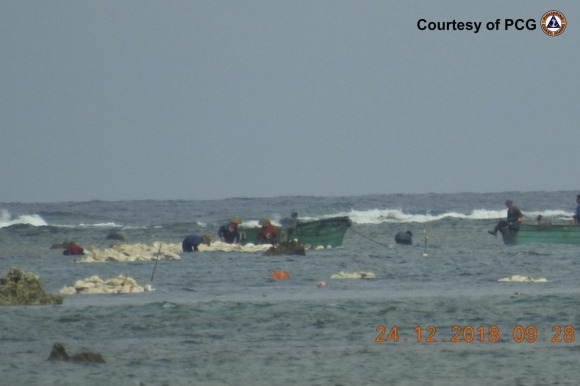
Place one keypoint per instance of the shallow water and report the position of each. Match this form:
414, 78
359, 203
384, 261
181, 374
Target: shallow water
217, 318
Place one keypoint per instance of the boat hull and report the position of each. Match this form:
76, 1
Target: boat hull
327, 232
543, 234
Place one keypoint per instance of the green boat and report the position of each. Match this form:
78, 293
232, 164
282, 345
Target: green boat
328, 232
542, 233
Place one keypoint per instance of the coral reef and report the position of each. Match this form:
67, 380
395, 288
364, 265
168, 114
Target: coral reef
59, 353
23, 288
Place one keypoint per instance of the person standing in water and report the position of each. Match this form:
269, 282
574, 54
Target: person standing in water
229, 233
267, 233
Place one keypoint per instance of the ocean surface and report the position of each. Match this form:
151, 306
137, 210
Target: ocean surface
436, 312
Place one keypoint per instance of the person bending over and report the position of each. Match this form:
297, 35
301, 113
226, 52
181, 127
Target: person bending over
229, 233
191, 242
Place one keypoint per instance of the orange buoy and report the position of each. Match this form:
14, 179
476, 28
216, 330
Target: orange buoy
280, 275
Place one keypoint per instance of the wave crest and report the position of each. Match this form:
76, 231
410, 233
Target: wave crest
7, 220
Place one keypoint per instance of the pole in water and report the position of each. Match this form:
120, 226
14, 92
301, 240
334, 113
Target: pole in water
155, 266
425, 250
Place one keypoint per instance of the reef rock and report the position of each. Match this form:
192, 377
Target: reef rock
23, 288
291, 247
59, 353
95, 285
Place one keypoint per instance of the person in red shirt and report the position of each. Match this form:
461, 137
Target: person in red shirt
73, 249
267, 233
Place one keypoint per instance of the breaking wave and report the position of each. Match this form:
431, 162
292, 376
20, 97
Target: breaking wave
7, 220
378, 216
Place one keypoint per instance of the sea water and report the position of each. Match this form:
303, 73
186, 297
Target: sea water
435, 313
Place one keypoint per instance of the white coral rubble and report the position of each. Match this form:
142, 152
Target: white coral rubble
95, 285
353, 275
146, 252
523, 279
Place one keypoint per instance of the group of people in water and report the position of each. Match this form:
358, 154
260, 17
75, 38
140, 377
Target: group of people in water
229, 233
268, 234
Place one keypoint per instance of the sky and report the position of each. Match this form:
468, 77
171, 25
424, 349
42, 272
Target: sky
141, 99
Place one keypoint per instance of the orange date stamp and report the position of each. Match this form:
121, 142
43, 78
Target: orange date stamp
469, 334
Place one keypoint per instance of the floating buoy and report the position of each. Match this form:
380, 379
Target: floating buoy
280, 275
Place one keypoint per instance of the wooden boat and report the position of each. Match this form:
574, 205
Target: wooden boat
542, 233
325, 232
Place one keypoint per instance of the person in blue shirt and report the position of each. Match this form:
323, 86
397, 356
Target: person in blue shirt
576, 217
229, 233
512, 221
191, 242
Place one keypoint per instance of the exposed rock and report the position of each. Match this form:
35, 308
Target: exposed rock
23, 288
59, 353
291, 247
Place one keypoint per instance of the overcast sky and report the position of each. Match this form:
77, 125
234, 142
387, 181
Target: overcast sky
121, 100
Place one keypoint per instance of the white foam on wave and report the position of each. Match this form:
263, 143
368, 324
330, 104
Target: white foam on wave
7, 220
378, 216
101, 225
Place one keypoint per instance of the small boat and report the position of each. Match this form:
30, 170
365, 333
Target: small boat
542, 233
328, 232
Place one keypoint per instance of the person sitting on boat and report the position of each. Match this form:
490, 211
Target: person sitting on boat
192, 242
267, 233
73, 249
576, 217
512, 222
229, 233
405, 238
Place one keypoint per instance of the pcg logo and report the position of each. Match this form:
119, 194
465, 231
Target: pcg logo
553, 23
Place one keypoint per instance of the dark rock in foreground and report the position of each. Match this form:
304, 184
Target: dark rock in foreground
23, 288
286, 248
59, 353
